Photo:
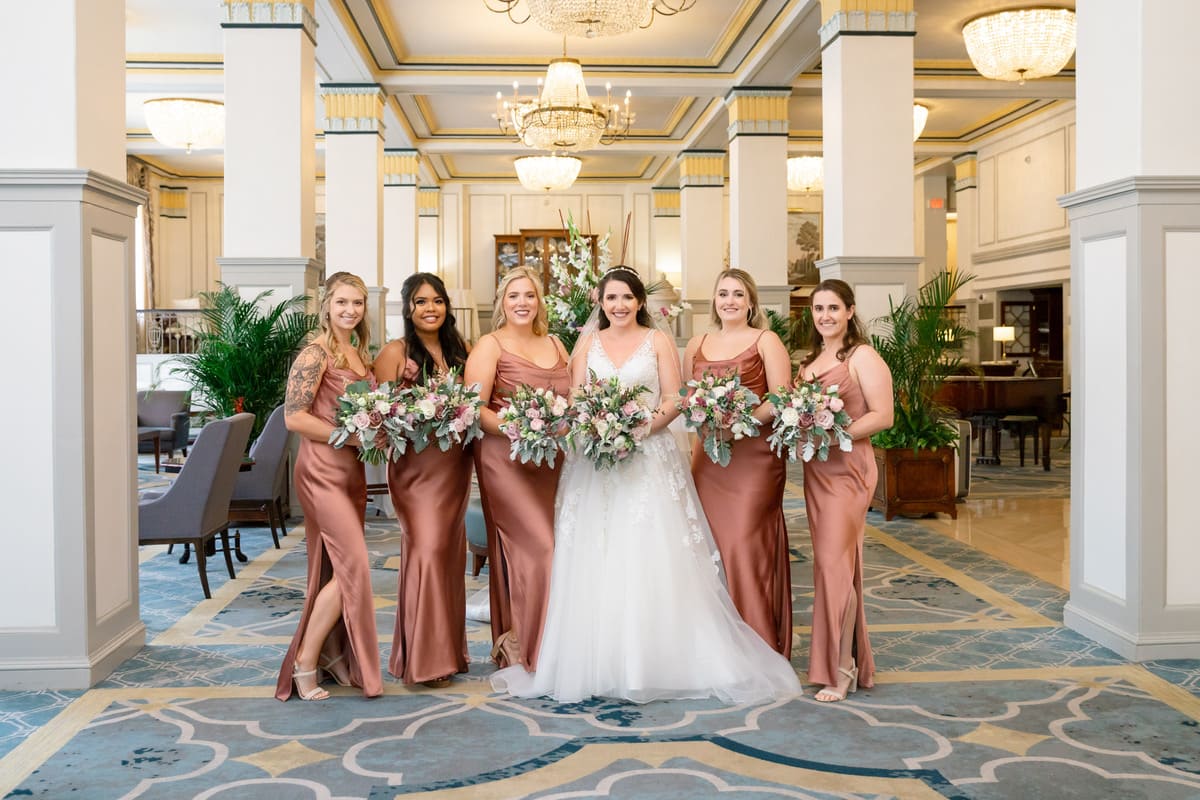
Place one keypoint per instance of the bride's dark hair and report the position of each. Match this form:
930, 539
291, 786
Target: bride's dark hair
629, 277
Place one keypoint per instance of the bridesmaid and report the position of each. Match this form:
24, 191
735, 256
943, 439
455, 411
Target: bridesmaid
744, 501
429, 491
518, 499
837, 492
337, 625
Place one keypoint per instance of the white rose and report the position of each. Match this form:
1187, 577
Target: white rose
789, 416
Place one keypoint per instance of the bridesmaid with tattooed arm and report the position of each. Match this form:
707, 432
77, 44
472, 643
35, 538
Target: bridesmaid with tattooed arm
337, 625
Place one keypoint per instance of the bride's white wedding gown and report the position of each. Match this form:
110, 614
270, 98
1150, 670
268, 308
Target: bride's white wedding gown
638, 607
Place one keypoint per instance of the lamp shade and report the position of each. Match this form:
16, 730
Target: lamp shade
547, 173
186, 122
805, 174
1021, 45
1004, 333
920, 116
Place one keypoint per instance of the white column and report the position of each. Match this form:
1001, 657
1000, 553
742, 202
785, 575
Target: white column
69, 581
666, 255
701, 225
929, 199
354, 189
866, 108
758, 201
429, 235
966, 205
269, 218
1135, 243
399, 229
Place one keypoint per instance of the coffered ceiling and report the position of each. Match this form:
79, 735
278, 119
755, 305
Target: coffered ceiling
441, 63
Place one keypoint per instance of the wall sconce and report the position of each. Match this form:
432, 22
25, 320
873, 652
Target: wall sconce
1002, 334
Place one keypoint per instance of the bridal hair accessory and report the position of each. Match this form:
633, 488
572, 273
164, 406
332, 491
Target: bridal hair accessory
622, 268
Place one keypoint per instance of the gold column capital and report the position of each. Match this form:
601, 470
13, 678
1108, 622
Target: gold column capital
666, 201
866, 18
172, 202
400, 167
701, 168
270, 14
966, 169
353, 107
429, 201
758, 110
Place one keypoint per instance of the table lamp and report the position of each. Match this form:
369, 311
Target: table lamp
1002, 334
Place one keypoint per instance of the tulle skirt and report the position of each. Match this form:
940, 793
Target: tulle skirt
638, 607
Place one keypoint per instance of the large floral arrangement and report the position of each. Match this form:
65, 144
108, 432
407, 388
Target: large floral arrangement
608, 420
573, 282
808, 419
381, 426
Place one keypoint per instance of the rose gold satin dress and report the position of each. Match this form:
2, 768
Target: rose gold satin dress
836, 495
429, 491
332, 490
518, 506
744, 506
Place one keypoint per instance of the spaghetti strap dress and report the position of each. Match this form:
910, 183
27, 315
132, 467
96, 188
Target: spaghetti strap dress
744, 506
332, 489
836, 495
429, 491
518, 508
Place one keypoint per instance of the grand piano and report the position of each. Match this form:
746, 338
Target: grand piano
988, 398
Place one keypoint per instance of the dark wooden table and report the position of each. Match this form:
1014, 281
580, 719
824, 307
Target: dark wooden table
155, 435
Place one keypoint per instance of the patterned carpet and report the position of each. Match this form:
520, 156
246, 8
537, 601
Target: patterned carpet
981, 694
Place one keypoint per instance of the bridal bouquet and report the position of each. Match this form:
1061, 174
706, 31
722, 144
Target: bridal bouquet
368, 411
443, 410
808, 418
531, 421
720, 410
609, 421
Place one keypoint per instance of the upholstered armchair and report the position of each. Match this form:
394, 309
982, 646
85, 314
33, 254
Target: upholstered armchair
170, 413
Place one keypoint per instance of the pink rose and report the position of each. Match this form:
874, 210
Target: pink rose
536, 424
697, 415
458, 425
533, 413
512, 431
361, 420
836, 404
824, 419
629, 408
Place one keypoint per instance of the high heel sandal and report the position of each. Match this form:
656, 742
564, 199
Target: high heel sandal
327, 666
315, 693
831, 693
508, 647
438, 683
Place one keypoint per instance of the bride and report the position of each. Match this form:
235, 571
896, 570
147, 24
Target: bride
638, 607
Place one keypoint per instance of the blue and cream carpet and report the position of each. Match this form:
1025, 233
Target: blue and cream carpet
982, 693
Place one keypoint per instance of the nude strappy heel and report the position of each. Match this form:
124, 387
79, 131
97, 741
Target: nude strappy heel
328, 668
315, 693
832, 695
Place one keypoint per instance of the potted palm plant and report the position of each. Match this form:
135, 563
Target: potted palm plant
243, 352
921, 345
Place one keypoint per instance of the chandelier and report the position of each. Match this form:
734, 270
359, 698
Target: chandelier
590, 18
562, 116
186, 122
1021, 45
805, 174
920, 116
547, 173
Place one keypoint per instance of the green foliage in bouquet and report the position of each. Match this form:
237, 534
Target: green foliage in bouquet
573, 281
243, 353
920, 344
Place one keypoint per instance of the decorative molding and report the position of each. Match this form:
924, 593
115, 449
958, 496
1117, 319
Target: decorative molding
400, 167
269, 14
758, 111
429, 201
1187, 184
701, 168
353, 107
876, 20
172, 202
666, 202
69, 184
1021, 250
966, 169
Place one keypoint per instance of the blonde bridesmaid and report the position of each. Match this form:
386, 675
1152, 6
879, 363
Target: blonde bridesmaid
518, 499
337, 625
837, 492
744, 501
429, 491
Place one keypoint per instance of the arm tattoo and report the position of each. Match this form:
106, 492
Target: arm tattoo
304, 379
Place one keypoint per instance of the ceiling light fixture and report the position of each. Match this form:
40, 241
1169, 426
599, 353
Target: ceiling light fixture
562, 116
920, 116
1021, 45
547, 173
805, 174
590, 18
186, 122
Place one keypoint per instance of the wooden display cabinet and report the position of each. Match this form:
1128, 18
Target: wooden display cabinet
535, 248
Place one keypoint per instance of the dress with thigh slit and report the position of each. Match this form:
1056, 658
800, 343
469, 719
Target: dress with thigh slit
332, 489
518, 507
429, 490
836, 495
744, 506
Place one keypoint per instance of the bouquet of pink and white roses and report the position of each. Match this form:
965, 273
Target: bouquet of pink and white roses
608, 420
443, 410
368, 411
721, 410
531, 421
808, 419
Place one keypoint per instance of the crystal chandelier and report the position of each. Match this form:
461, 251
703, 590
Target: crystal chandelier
805, 174
920, 116
186, 122
590, 18
1021, 45
547, 173
562, 116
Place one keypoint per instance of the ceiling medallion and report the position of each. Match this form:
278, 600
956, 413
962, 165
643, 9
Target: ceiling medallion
590, 18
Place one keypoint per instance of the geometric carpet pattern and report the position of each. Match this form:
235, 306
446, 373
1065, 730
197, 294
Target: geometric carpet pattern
981, 693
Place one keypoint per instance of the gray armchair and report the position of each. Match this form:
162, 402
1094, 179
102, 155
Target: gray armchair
168, 412
258, 492
196, 507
